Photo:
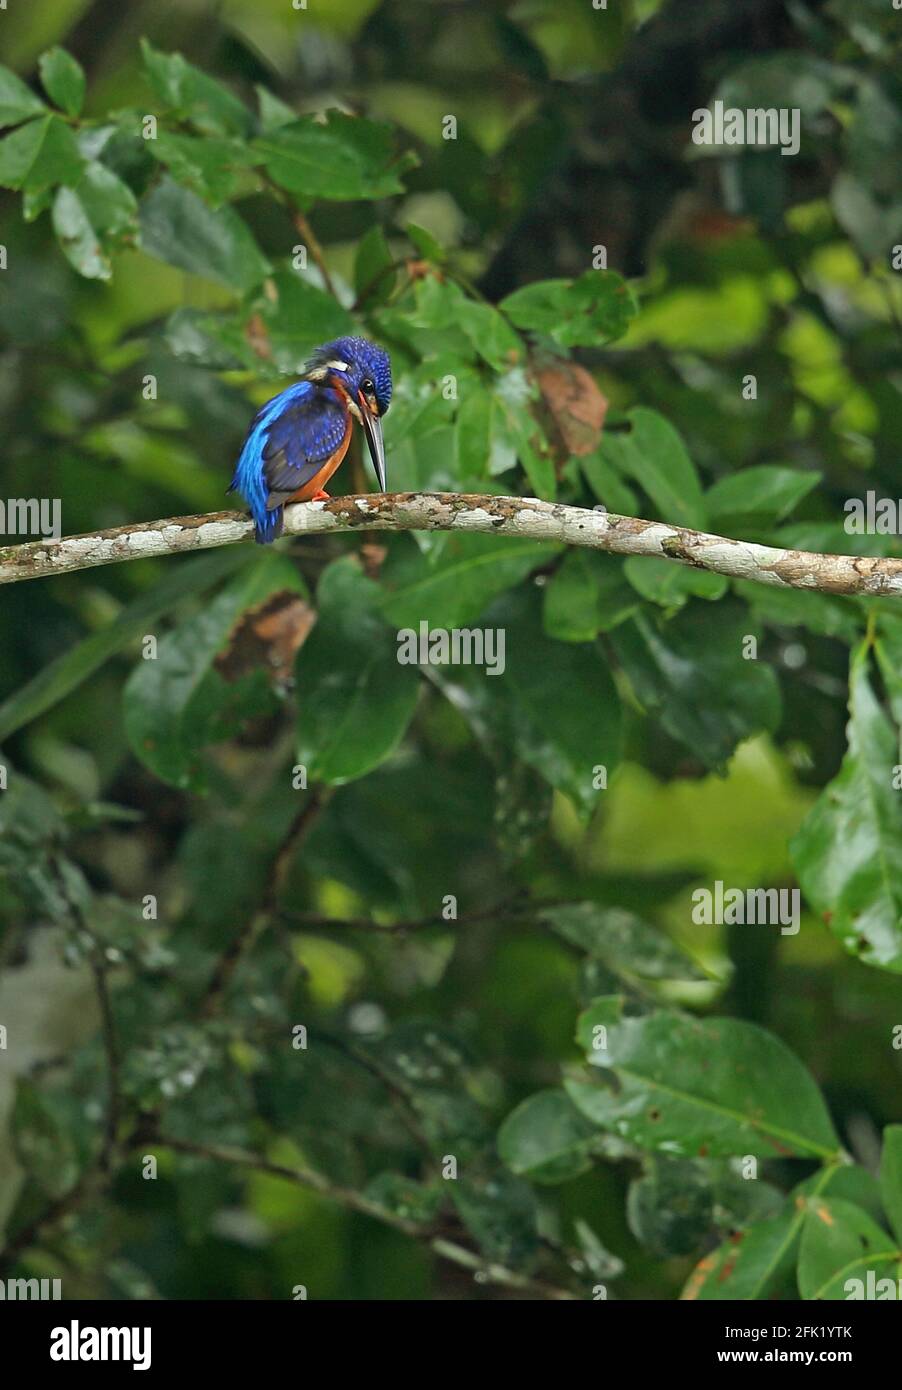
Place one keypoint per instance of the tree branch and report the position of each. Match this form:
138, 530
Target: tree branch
525, 517
487, 1271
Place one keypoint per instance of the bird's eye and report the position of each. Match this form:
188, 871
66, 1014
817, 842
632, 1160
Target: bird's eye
368, 385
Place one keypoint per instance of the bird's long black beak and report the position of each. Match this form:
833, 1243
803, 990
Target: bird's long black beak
372, 428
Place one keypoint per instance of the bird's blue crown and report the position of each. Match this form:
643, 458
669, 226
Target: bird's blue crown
362, 361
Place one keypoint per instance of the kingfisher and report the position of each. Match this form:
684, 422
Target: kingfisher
298, 439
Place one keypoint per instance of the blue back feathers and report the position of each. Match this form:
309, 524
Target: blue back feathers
299, 430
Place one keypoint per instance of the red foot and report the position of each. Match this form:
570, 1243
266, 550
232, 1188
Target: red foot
320, 497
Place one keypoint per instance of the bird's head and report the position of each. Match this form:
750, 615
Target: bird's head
361, 371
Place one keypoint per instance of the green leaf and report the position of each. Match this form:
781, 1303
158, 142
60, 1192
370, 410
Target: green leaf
355, 699
343, 157
891, 1176
216, 169
426, 244
752, 1264
654, 456
172, 703
716, 1086
179, 228
211, 340
68, 671
768, 491
760, 1262
500, 1212
586, 595
565, 711
209, 105
691, 675
670, 1209
576, 313
546, 1139
442, 304
39, 155
43, 1143
273, 111
827, 614
88, 218
455, 588
517, 435
840, 1242
298, 317
607, 484
63, 80
17, 102
374, 273
848, 852
670, 584
621, 939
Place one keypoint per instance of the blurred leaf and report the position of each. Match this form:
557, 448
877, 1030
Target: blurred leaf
216, 169
655, 457
298, 317
343, 157
691, 675
63, 79
670, 584
623, 940
172, 703
608, 486
89, 216
426, 244
546, 1139
456, 588
706, 1087
67, 672
206, 102
374, 276
355, 699
565, 709
273, 111
587, 594
766, 491
39, 155
848, 853
586, 312
500, 1212
670, 1209
178, 227
17, 102
784, 78
43, 1144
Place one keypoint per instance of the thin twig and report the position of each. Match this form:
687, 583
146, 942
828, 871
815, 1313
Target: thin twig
261, 918
316, 250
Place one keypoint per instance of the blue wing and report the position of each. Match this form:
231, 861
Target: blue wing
288, 442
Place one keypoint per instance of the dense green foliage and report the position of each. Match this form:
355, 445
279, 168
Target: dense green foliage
230, 814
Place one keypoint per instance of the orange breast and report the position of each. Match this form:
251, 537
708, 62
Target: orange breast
319, 480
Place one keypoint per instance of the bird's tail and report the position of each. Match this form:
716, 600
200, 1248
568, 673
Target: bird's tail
269, 526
